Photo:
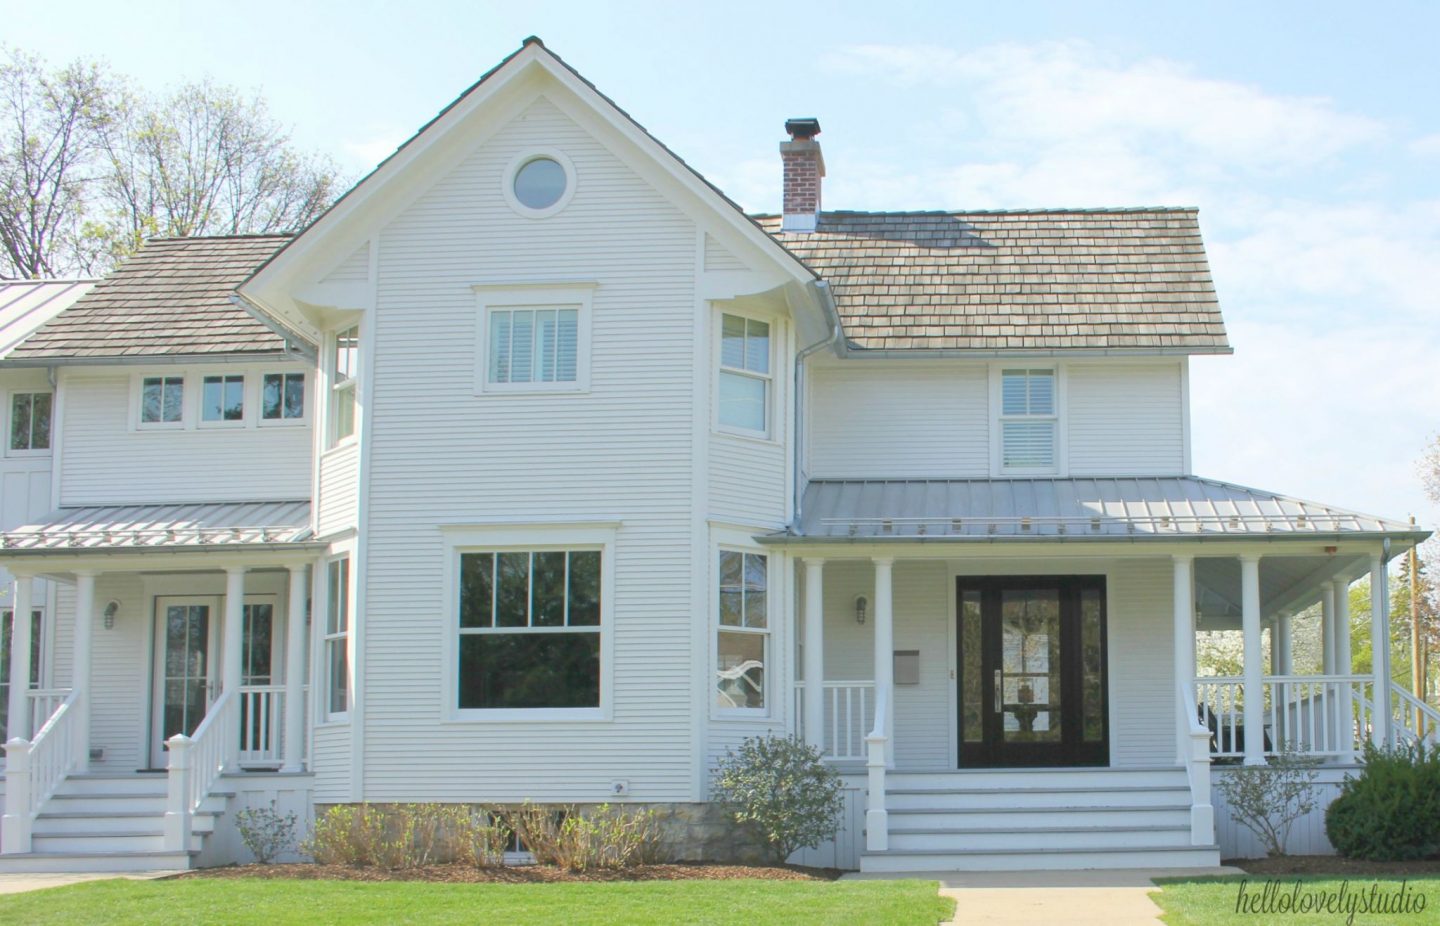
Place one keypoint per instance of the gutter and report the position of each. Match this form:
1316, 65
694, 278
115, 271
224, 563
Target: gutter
832, 314
788, 539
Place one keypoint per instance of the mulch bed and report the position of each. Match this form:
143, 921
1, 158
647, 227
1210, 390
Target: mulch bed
519, 874
1333, 865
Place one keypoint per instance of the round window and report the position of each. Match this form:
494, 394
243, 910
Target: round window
539, 183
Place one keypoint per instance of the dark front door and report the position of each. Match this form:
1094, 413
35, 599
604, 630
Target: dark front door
1031, 671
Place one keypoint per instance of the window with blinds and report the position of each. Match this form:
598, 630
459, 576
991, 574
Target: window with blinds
1027, 419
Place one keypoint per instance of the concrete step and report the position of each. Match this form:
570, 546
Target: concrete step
97, 783
1112, 778
1022, 819
105, 842
101, 803
1057, 798
54, 823
1054, 837
48, 862
898, 861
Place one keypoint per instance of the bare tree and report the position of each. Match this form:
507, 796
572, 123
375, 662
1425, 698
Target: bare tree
205, 161
49, 133
1430, 468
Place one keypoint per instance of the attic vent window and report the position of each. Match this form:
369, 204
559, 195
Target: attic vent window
539, 183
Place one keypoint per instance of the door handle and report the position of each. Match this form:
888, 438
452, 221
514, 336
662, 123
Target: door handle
999, 696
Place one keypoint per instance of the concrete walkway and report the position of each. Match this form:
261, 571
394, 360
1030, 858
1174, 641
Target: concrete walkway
20, 883
1046, 898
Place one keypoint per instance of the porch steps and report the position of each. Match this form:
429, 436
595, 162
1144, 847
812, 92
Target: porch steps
110, 822
1021, 819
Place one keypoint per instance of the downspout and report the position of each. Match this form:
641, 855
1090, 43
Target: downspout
827, 302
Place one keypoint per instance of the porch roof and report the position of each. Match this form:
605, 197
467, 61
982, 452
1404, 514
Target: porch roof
137, 528
1130, 508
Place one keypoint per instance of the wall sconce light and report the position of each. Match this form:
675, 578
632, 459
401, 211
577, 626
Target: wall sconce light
861, 603
110, 611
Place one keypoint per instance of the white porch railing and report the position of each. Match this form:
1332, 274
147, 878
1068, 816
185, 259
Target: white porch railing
262, 725
877, 819
1412, 719
849, 716
196, 763
44, 702
34, 769
1306, 713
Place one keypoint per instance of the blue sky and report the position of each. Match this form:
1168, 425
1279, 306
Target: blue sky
1307, 133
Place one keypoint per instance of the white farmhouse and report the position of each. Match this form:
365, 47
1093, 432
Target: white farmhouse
536, 470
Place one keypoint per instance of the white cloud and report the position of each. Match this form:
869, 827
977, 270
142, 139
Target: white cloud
1428, 146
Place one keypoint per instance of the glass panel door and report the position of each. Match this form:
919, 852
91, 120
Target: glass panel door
1028, 680
183, 674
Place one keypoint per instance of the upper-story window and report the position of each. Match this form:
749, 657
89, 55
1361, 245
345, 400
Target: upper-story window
30, 421
162, 400
282, 397
222, 399
539, 183
534, 345
1028, 419
344, 366
745, 374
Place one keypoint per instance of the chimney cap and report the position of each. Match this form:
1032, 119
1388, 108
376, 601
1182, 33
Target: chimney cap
801, 128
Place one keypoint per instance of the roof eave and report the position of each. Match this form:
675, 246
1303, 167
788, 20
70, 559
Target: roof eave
1409, 537
852, 350
146, 359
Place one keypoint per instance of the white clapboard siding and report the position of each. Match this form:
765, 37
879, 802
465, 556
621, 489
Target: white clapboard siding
1125, 419
354, 269
895, 421
339, 475
441, 454
331, 763
844, 850
1307, 834
747, 480
1140, 648
718, 257
105, 460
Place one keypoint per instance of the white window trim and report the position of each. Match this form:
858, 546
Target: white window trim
460, 539
579, 295
261, 421
768, 635
326, 638
245, 398
507, 182
725, 535
332, 387
9, 421
1060, 467
137, 402
769, 433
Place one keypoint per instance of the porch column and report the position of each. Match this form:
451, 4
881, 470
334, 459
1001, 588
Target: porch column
1327, 627
1284, 644
19, 716
885, 649
1380, 650
80, 666
1344, 665
1184, 650
294, 754
1274, 630
231, 651
1254, 676
813, 702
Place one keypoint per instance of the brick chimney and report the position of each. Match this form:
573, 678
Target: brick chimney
804, 169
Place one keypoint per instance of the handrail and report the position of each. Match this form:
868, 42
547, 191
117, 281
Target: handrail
44, 702
1197, 769
1413, 716
877, 820
34, 770
196, 763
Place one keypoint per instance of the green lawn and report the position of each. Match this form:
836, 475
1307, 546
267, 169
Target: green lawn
661, 903
1213, 901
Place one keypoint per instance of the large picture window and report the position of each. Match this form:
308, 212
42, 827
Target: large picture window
337, 636
1027, 419
529, 626
744, 635
744, 385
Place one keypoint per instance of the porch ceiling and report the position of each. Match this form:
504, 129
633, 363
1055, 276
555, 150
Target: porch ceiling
140, 528
1062, 510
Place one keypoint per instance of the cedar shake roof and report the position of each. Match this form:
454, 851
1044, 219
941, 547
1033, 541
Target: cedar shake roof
171, 298
1098, 279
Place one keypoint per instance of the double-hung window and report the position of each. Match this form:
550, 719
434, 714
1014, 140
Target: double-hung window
162, 400
282, 397
30, 421
529, 628
337, 637
745, 377
7, 690
344, 368
222, 399
743, 644
1028, 420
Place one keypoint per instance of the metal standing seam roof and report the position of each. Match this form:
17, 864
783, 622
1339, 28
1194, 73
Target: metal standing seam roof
1110, 280
169, 299
1065, 509
25, 305
137, 527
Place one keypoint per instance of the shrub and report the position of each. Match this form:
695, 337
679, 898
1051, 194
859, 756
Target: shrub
1267, 799
1391, 812
267, 833
398, 836
605, 837
780, 787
